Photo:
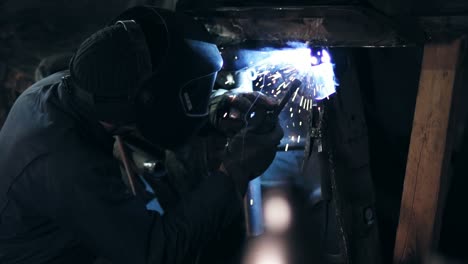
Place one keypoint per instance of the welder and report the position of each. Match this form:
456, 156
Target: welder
62, 195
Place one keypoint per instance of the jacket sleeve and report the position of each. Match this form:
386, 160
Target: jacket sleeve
93, 202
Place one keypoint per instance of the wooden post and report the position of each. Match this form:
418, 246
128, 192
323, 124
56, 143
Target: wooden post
426, 180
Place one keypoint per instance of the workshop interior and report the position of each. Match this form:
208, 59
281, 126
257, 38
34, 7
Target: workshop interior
371, 98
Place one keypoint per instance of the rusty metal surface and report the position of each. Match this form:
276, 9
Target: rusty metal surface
331, 26
439, 28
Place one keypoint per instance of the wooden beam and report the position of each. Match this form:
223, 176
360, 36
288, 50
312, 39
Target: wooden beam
426, 180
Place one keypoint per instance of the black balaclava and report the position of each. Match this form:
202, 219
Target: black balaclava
104, 72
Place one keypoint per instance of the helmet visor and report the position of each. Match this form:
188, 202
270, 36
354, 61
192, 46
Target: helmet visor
195, 95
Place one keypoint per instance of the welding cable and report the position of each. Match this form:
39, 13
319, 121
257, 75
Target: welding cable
126, 163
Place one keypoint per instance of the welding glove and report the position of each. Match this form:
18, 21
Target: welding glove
248, 154
231, 111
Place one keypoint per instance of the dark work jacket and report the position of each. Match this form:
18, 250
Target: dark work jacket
62, 199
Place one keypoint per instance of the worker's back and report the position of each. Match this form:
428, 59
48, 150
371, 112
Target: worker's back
36, 126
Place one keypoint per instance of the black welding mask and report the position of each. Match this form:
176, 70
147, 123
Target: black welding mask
170, 104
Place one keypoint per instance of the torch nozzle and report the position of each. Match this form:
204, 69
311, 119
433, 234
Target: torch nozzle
289, 93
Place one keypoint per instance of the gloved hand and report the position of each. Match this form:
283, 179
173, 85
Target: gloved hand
232, 111
249, 154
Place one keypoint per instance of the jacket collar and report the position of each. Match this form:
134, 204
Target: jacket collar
87, 126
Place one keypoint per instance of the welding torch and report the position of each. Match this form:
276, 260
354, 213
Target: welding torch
263, 120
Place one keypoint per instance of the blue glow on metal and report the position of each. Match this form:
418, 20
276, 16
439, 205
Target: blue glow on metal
316, 71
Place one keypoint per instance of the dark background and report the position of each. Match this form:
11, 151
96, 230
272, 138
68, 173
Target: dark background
31, 30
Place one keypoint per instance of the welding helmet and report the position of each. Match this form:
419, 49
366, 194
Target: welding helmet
172, 65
